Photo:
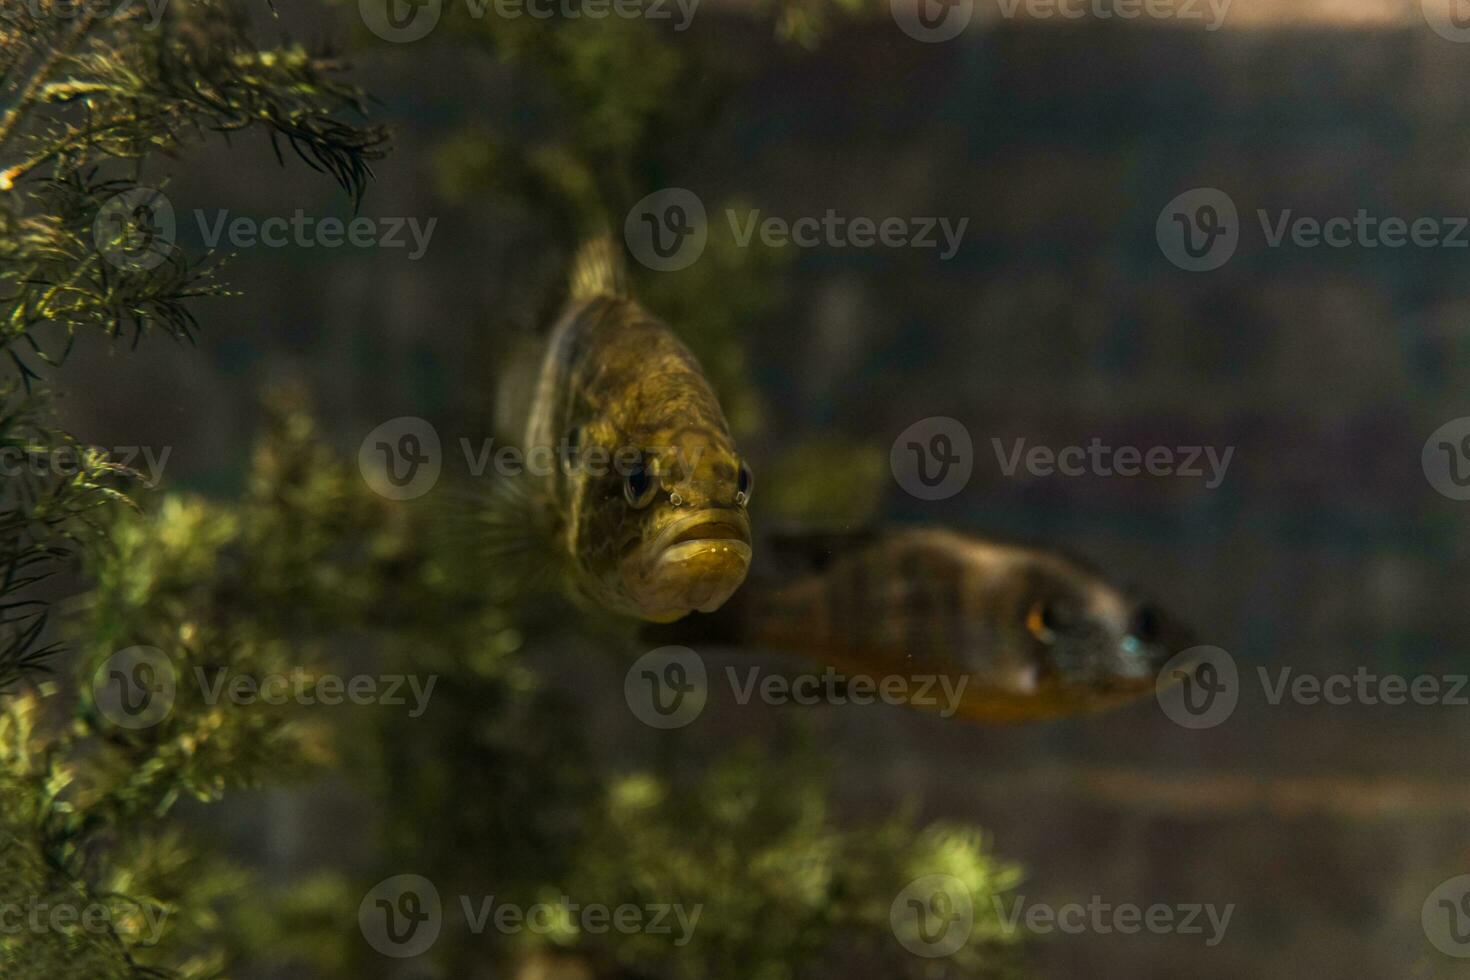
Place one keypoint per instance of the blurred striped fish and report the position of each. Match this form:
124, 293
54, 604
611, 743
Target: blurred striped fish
1034, 633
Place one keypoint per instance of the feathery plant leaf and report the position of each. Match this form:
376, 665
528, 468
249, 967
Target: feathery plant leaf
88, 95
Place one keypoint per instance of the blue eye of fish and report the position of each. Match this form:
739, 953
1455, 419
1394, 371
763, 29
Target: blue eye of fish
639, 485
1145, 625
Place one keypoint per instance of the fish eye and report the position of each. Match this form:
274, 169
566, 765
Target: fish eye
1146, 624
1047, 618
744, 484
639, 486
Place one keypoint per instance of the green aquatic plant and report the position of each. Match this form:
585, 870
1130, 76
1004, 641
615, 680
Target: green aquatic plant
501, 786
90, 93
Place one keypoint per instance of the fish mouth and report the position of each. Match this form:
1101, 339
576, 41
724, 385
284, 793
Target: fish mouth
715, 528
696, 563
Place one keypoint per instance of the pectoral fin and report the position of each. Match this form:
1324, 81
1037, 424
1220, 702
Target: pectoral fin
518, 536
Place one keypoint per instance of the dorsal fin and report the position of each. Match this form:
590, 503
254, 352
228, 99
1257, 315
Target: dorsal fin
516, 391
598, 270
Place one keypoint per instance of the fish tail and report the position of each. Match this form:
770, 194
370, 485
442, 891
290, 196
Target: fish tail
598, 269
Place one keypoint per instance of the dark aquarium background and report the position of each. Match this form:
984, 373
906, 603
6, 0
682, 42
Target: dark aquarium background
1333, 543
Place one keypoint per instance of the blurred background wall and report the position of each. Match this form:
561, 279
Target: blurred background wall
1059, 320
